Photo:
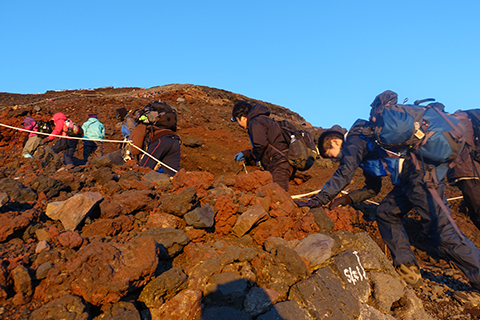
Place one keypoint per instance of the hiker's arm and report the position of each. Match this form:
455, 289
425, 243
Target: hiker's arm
354, 151
372, 187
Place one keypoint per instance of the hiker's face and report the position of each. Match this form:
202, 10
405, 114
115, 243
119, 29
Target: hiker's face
334, 151
242, 122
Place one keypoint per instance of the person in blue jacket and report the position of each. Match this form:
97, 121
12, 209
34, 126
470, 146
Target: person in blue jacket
409, 191
93, 129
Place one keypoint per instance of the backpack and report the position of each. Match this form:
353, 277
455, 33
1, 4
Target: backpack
73, 129
474, 116
125, 131
428, 132
44, 127
157, 114
302, 150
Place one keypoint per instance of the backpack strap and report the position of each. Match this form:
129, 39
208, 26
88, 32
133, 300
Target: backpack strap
162, 133
431, 182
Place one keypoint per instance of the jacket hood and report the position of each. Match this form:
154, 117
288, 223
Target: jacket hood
59, 116
28, 121
258, 110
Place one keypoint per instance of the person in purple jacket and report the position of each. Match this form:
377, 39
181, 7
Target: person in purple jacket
34, 141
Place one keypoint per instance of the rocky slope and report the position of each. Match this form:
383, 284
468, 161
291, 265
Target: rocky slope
101, 241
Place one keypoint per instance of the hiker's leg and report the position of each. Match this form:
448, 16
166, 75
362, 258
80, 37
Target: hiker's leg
69, 152
60, 145
457, 247
88, 148
32, 144
281, 174
389, 220
471, 196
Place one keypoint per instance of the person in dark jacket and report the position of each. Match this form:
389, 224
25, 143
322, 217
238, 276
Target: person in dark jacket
160, 140
267, 138
410, 191
465, 172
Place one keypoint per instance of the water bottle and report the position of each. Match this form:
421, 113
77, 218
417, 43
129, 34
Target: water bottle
292, 138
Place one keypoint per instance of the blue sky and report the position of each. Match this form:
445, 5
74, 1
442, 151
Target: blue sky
325, 60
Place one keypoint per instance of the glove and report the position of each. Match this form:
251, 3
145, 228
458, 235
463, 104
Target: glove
312, 203
239, 157
46, 140
342, 201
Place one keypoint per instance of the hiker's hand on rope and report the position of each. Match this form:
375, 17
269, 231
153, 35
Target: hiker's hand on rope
46, 140
239, 157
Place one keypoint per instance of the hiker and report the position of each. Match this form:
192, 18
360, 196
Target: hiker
156, 132
267, 140
128, 122
34, 141
409, 191
63, 143
92, 129
465, 171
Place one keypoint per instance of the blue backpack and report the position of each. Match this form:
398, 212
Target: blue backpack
125, 131
432, 135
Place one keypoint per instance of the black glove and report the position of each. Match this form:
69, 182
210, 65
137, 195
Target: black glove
342, 201
46, 140
312, 203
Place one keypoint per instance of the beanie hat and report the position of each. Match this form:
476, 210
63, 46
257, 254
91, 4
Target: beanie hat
334, 131
92, 115
121, 112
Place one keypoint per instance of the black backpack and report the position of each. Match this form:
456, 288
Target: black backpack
302, 150
44, 127
158, 114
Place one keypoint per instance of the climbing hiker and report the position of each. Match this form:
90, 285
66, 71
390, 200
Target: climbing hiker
65, 128
156, 132
93, 129
267, 141
410, 191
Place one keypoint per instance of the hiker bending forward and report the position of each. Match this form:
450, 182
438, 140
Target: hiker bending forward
409, 192
265, 136
161, 141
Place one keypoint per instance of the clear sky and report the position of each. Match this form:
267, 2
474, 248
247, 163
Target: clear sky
325, 60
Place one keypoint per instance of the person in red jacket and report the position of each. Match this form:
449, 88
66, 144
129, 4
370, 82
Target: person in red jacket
63, 143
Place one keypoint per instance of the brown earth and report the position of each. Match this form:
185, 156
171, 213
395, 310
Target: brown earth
204, 113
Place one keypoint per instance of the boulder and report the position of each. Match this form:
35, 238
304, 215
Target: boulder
72, 211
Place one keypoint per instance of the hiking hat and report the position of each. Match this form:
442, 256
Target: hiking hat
322, 137
121, 112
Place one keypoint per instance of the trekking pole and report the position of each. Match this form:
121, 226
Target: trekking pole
14, 141
244, 166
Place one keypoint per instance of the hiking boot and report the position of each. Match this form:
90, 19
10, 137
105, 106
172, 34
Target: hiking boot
471, 298
410, 273
27, 155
